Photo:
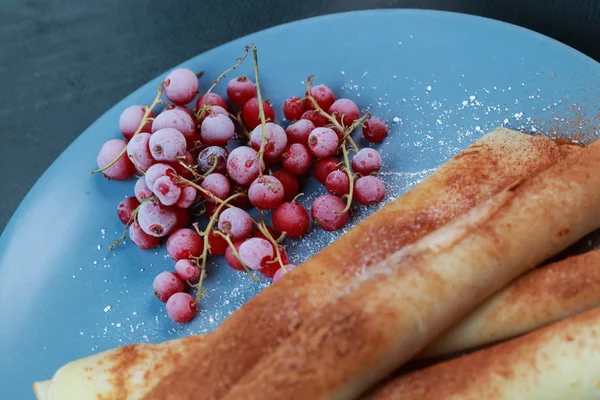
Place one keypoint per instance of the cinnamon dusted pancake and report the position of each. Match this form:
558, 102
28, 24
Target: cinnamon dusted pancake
561, 361
413, 295
543, 296
487, 167
125, 373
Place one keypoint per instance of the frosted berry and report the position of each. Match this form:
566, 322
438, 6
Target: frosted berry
276, 141
181, 86
141, 190
212, 99
121, 170
366, 161
184, 243
297, 159
293, 108
375, 130
217, 130
156, 219
266, 192
126, 208
290, 183
217, 245
345, 111
231, 259
166, 190
187, 197
141, 239
324, 167
315, 117
323, 95
281, 272
326, 212
155, 172
217, 184
298, 131
167, 144
187, 270
338, 183
236, 223
188, 160
180, 119
243, 165
250, 113
181, 307
166, 284
240, 90
271, 266
138, 151
292, 219
369, 190
255, 252
210, 156
323, 142
130, 120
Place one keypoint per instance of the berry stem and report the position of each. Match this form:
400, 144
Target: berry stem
238, 118
206, 246
261, 113
216, 81
297, 197
350, 178
237, 255
149, 109
262, 227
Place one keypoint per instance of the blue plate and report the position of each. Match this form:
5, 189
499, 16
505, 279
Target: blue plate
439, 79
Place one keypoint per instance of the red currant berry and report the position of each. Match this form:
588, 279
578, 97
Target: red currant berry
266, 192
324, 167
212, 99
184, 243
323, 142
323, 95
126, 208
181, 86
345, 111
250, 113
236, 223
292, 219
121, 170
315, 117
217, 245
181, 307
130, 120
276, 141
293, 108
141, 239
327, 212
243, 165
338, 183
375, 130
231, 259
281, 271
166, 284
298, 131
366, 161
297, 159
369, 190
187, 270
240, 90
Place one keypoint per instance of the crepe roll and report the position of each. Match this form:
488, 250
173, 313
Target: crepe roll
558, 362
544, 295
125, 373
412, 295
484, 169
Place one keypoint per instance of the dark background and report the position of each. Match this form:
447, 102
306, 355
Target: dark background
64, 62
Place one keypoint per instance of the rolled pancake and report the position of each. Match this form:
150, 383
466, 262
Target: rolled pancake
558, 362
543, 296
492, 163
413, 295
125, 373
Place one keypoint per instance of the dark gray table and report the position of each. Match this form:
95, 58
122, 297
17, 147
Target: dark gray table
64, 62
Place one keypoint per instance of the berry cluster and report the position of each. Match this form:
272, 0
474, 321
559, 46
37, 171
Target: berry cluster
187, 170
